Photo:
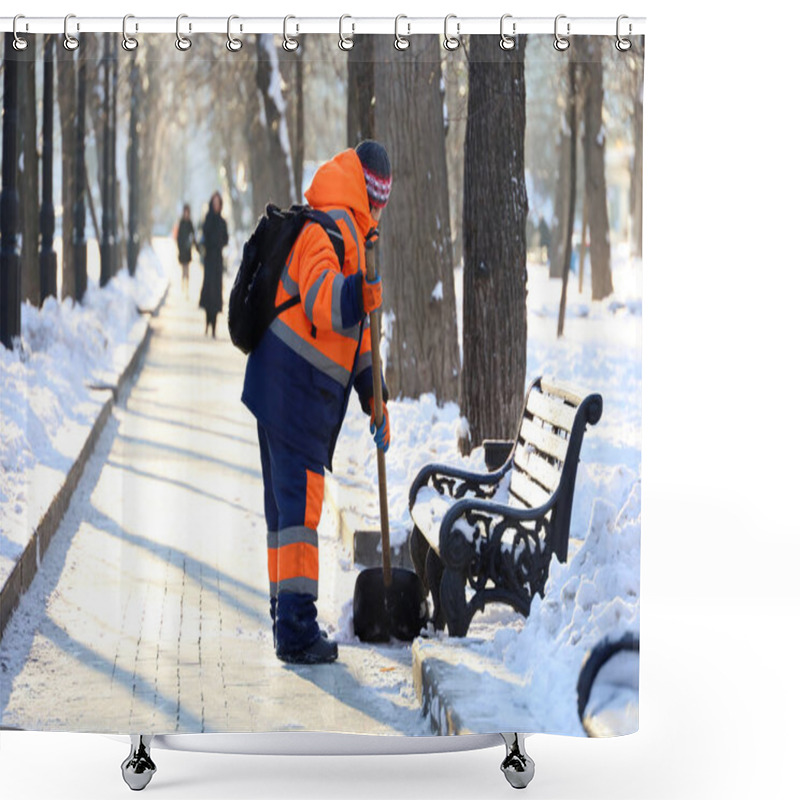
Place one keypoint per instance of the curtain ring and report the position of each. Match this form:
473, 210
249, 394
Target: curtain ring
345, 42
233, 44
290, 44
19, 43
128, 42
451, 42
561, 43
507, 42
623, 44
182, 42
401, 42
70, 42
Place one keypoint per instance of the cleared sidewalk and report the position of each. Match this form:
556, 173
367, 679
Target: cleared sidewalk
150, 612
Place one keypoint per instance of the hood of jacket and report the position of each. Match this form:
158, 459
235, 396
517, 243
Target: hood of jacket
340, 183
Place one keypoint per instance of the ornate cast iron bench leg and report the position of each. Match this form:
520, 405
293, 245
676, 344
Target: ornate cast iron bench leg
418, 548
517, 766
433, 573
138, 768
453, 592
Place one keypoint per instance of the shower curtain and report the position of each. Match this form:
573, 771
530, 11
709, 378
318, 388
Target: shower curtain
176, 560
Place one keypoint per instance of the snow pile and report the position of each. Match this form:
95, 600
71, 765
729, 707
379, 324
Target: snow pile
421, 432
594, 596
45, 381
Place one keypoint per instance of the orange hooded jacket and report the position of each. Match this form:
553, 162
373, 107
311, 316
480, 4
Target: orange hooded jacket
298, 379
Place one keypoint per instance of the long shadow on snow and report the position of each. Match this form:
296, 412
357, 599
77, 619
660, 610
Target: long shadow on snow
202, 572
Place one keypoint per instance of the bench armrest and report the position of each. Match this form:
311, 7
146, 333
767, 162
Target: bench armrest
456, 550
469, 504
456, 482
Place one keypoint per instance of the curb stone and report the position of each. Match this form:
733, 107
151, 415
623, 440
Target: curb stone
429, 674
24, 571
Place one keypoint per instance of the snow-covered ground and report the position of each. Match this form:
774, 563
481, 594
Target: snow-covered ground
596, 594
45, 394
46, 400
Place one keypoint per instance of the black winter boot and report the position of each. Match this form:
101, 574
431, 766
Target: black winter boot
273, 603
321, 652
299, 639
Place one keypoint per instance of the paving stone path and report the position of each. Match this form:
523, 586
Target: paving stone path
150, 610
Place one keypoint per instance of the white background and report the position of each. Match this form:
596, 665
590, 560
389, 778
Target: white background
720, 603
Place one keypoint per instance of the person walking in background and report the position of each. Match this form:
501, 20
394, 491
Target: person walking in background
185, 238
298, 381
544, 239
215, 237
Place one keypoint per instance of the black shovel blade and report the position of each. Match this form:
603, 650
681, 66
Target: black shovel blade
400, 612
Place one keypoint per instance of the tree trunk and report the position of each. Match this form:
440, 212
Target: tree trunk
132, 253
114, 180
66, 94
257, 156
495, 211
361, 91
10, 279
638, 146
150, 136
584, 231
277, 187
48, 264
558, 239
28, 173
594, 149
104, 167
415, 252
237, 211
455, 67
572, 112
298, 150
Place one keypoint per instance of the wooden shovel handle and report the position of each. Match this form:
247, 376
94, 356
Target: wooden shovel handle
377, 395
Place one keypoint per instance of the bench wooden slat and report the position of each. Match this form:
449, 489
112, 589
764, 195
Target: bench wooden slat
534, 466
544, 441
566, 391
551, 410
525, 493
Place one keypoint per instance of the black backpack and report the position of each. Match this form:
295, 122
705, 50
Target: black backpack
251, 308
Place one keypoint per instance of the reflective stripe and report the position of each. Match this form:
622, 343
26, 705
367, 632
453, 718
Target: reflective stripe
289, 284
311, 296
297, 561
299, 586
353, 331
341, 214
297, 534
272, 562
310, 353
363, 362
336, 302
336, 311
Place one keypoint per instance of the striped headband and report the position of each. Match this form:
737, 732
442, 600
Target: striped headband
378, 188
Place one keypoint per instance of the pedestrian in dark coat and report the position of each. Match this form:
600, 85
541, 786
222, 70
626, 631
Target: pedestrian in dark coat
215, 237
544, 237
185, 239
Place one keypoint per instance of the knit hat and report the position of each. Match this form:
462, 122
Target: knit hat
377, 171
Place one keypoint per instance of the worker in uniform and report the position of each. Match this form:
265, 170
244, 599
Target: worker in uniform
298, 381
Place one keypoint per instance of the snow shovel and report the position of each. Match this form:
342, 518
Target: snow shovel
388, 601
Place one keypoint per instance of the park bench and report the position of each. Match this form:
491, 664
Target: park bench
478, 538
